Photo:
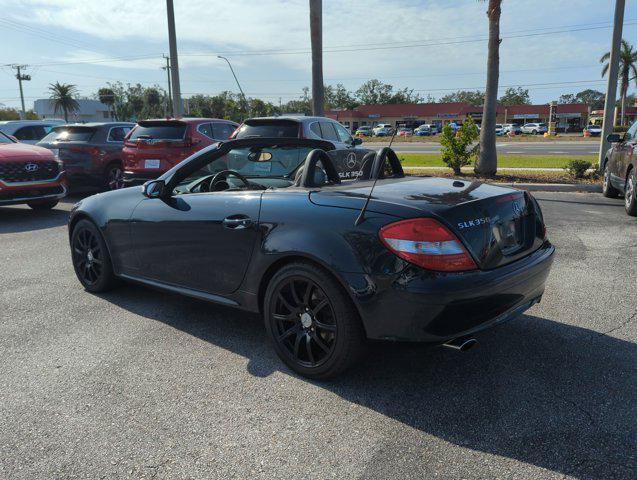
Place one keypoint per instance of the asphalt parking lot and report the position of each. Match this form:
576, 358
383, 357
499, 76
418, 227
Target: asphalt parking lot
141, 384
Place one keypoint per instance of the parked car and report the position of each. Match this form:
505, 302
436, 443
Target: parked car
422, 131
91, 152
28, 131
29, 174
404, 132
620, 169
154, 146
434, 129
534, 128
364, 131
512, 128
254, 224
499, 129
347, 152
593, 130
383, 130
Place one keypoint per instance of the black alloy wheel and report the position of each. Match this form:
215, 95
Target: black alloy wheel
313, 324
91, 259
114, 177
630, 193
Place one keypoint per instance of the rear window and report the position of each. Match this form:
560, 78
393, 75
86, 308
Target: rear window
542, 124
275, 129
70, 134
159, 131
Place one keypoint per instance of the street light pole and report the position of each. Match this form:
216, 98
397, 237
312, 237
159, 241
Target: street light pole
611, 86
21, 78
245, 102
174, 64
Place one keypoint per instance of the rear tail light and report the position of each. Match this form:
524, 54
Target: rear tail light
427, 243
87, 149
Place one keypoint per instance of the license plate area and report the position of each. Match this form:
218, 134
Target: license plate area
152, 163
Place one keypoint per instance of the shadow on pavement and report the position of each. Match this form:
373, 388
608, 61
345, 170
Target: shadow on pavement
538, 391
17, 220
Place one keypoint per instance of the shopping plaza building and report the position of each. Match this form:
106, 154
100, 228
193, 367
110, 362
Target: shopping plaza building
571, 117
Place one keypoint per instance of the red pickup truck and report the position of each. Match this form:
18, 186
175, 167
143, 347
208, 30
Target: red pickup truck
29, 174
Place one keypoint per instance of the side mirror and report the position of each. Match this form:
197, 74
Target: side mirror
614, 138
357, 141
154, 188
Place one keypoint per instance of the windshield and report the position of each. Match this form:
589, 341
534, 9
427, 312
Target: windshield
5, 139
159, 131
69, 134
255, 162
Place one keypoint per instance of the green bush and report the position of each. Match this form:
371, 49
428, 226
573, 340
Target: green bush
578, 168
456, 151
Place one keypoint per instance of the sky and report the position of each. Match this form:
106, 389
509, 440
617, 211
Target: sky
551, 47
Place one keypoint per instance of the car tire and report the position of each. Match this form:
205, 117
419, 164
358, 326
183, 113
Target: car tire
533, 132
43, 204
312, 322
91, 259
607, 187
630, 195
113, 177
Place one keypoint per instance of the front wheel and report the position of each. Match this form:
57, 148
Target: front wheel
91, 260
607, 187
43, 204
534, 132
312, 322
630, 195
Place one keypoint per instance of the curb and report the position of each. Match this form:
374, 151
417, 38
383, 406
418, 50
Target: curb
553, 187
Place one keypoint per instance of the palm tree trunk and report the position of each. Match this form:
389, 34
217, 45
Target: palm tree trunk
66, 115
487, 163
316, 36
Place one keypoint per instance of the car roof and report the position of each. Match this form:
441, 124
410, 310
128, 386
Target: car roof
292, 118
97, 124
189, 120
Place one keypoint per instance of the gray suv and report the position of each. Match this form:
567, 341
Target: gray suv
348, 153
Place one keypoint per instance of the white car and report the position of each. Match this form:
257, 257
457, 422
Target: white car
29, 131
534, 128
499, 129
511, 128
383, 130
594, 130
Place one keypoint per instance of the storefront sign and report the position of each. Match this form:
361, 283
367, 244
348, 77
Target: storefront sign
446, 114
568, 115
526, 115
373, 115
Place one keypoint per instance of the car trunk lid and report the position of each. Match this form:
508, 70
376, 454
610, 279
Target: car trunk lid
156, 145
497, 225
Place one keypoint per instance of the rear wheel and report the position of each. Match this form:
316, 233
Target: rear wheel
114, 177
91, 260
630, 195
312, 322
533, 132
43, 204
607, 187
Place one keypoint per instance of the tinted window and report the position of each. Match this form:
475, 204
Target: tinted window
316, 129
327, 129
4, 138
206, 129
221, 131
70, 134
32, 132
631, 134
117, 134
343, 134
276, 129
159, 131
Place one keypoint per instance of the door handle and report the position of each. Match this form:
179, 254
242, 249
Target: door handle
237, 222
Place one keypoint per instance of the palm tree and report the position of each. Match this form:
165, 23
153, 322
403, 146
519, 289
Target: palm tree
62, 97
316, 36
107, 97
487, 162
627, 70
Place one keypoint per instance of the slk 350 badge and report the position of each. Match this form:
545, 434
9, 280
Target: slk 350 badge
476, 222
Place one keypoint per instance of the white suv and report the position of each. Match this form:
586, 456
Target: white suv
383, 130
534, 128
29, 131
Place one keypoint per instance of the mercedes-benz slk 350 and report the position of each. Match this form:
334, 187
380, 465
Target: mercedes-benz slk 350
268, 225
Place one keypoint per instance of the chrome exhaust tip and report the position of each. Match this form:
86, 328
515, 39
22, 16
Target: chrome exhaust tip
463, 344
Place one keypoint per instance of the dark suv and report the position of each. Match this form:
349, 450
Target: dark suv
91, 152
620, 168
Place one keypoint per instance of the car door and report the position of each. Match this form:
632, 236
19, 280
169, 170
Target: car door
200, 241
621, 157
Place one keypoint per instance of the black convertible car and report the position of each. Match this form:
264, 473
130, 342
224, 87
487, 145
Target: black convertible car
267, 225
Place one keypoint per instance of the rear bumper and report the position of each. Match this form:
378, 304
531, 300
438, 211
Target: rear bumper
139, 178
418, 305
23, 192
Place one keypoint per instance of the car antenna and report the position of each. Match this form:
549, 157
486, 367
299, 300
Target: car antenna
361, 216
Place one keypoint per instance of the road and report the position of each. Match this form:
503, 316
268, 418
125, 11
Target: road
141, 384
573, 148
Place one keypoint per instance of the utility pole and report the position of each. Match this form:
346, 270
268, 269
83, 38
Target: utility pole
169, 111
21, 78
174, 64
245, 102
611, 86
